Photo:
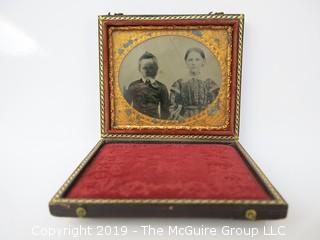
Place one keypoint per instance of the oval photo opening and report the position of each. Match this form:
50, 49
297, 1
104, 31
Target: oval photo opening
170, 77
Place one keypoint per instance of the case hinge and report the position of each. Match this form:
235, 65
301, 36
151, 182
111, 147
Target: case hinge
115, 14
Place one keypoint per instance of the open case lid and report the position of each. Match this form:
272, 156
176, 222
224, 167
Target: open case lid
174, 76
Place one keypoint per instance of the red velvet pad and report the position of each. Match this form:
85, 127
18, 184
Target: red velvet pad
150, 170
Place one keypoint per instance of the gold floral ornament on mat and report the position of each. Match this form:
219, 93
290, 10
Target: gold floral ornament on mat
124, 40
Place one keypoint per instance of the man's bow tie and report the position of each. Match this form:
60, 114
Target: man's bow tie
148, 81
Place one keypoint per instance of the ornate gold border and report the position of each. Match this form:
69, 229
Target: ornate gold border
192, 123
101, 19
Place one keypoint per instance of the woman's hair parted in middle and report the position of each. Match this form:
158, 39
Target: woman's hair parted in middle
195, 49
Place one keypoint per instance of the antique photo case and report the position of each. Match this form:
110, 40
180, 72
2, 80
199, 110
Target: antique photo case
170, 112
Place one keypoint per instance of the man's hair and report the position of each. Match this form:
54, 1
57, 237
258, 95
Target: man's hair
195, 49
148, 55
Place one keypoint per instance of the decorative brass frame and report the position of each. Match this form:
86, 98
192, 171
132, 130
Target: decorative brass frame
240, 17
59, 200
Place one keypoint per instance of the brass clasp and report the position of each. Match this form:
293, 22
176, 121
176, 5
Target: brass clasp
251, 214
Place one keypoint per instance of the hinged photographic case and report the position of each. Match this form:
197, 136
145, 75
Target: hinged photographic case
170, 112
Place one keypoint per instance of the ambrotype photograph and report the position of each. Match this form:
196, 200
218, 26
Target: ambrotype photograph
170, 78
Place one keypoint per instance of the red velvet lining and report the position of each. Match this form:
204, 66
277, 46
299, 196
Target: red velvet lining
150, 170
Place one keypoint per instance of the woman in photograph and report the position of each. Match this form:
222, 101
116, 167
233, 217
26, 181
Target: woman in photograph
192, 94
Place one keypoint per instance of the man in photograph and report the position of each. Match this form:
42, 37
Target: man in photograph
148, 95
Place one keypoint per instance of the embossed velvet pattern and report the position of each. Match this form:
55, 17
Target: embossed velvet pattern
150, 170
